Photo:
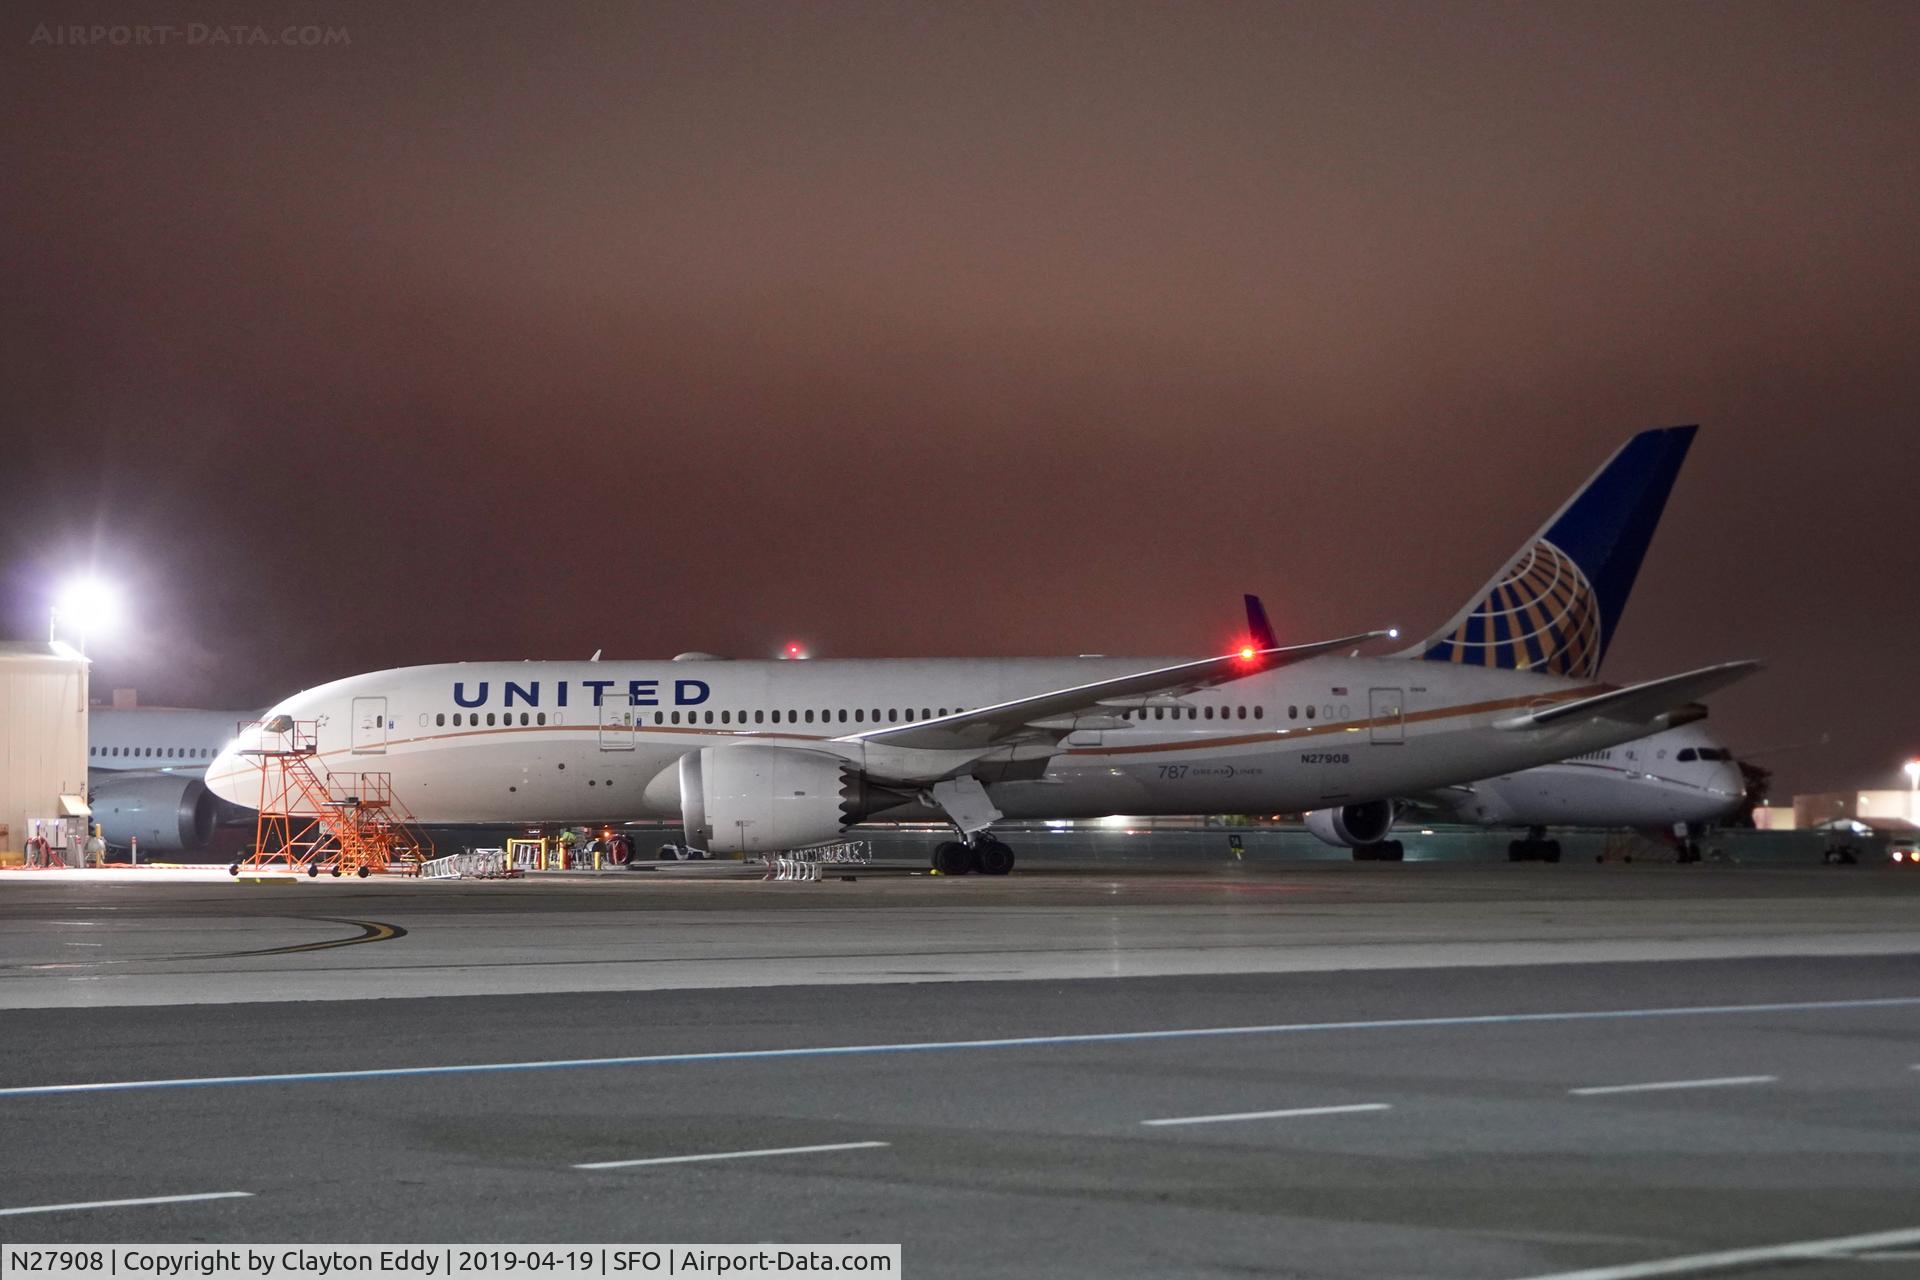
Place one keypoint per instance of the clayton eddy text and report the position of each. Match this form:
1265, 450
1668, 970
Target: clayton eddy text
303, 1262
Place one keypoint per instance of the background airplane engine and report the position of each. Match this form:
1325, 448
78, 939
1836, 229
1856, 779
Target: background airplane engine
169, 815
757, 799
1352, 825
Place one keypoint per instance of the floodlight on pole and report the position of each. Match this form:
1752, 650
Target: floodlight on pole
85, 606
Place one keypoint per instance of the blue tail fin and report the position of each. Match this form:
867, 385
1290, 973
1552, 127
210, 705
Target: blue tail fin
1259, 630
1554, 606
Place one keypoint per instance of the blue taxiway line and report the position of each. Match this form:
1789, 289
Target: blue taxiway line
951, 1046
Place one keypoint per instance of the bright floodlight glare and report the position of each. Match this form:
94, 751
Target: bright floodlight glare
84, 607
1913, 769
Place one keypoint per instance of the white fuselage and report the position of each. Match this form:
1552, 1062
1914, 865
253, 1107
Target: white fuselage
1679, 775
163, 739
533, 742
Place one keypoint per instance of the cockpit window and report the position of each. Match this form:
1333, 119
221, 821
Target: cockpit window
1688, 753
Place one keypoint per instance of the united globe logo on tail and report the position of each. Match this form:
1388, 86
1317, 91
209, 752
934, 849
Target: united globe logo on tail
1541, 616
1555, 605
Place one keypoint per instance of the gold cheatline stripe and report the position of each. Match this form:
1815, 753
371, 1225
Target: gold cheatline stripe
1268, 735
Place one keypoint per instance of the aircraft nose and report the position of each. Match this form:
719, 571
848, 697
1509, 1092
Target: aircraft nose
1728, 781
234, 776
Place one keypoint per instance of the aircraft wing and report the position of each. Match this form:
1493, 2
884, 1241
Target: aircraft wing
1052, 713
1637, 703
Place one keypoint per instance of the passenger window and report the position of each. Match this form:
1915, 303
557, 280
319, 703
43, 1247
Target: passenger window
1309, 713
523, 717
925, 714
859, 715
541, 718
489, 718
843, 715
759, 717
709, 717
1259, 712
809, 715
1209, 713
440, 720
676, 717
1243, 713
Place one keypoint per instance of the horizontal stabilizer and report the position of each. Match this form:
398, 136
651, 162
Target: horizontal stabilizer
1637, 703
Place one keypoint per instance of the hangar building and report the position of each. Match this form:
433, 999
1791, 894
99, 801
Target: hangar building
43, 743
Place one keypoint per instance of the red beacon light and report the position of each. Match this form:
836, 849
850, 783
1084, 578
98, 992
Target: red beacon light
1246, 652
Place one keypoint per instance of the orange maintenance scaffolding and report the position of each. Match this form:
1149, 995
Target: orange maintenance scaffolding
340, 823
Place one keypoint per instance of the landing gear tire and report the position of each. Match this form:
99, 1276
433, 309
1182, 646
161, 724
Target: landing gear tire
1533, 851
995, 858
312, 871
363, 873
335, 873
951, 858
234, 870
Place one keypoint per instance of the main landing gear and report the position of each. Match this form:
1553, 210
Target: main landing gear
988, 856
1535, 848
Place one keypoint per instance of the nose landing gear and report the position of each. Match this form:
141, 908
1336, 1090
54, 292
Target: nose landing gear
1535, 848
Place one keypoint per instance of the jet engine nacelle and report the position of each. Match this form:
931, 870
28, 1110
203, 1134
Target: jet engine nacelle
759, 799
1353, 825
170, 815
